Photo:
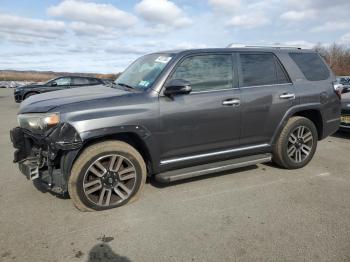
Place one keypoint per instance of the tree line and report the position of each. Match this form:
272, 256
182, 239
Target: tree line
337, 56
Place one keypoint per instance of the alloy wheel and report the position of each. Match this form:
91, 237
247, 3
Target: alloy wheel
300, 143
109, 180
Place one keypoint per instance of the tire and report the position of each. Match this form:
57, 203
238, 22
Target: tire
29, 95
93, 176
296, 144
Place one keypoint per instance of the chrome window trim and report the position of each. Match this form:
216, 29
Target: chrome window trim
288, 83
214, 90
237, 88
174, 160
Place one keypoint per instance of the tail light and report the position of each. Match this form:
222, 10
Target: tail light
338, 88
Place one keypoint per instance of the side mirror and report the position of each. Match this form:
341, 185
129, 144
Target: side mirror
177, 87
53, 83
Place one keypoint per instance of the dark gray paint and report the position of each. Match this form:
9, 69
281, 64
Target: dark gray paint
197, 123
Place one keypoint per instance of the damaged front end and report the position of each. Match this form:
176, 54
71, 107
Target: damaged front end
46, 156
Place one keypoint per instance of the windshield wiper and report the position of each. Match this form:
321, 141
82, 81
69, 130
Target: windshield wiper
126, 85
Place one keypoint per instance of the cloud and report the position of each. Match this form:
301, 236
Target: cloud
345, 39
84, 29
248, 21
332, 26
92, 13
26, 30
298, 16
227, 6
163, 12
300, 43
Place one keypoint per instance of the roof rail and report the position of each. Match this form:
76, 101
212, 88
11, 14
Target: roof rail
276, 46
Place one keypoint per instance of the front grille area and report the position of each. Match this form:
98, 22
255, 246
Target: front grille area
345, 119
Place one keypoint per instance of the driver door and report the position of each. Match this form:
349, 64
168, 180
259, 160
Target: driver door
208, 119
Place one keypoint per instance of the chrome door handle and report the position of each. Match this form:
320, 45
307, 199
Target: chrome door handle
231, 102
287, 96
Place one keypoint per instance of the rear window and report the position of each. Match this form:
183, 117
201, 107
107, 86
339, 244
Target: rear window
261, 69
93, 81
80, 81
311, 65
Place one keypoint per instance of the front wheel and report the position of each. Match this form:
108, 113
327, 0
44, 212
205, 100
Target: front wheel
106, 175
296, 144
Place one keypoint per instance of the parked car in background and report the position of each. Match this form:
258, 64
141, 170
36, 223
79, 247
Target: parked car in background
344, 80
108, 82
345, 110
60, 83
176, 115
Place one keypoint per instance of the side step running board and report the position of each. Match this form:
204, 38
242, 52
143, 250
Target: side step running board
215, 167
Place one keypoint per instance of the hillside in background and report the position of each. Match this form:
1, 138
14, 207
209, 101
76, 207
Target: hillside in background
337, 56
40, 76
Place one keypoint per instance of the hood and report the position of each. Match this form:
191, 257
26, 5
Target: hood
45, 102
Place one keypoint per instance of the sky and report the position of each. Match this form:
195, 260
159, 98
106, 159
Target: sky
104, 36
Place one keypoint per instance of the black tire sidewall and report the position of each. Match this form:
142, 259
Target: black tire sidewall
300, 122
79, 183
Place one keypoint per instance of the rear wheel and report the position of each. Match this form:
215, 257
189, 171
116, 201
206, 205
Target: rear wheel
106, 175
296, 144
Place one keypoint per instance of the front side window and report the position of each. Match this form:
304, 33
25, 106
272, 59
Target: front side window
311, 65
144, 71
64, 81
206, 72
261, 69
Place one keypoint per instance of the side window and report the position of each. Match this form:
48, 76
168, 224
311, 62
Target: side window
94, 81
281, 77
311, 65
206, 72
64, 81
261, 69
80, 81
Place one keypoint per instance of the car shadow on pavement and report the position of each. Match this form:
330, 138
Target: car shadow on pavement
342, 134
103, 252
157, 184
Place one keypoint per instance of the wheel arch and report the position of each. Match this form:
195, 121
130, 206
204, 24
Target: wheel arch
311, 111
131, 138
316, 117
25, 95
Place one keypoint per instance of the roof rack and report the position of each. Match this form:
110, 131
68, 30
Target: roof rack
262, 46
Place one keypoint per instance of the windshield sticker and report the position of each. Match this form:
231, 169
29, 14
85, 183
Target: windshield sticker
144, 83
163, 59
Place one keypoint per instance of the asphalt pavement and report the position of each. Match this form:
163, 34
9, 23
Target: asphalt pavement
259, 213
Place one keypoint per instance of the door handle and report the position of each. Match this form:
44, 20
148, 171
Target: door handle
287, 96
231, 102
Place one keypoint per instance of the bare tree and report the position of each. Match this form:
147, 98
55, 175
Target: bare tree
337, 56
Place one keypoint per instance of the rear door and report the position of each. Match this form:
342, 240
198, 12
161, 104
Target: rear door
208, 119
267, 93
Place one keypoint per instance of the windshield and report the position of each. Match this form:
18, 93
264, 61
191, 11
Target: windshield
144, 71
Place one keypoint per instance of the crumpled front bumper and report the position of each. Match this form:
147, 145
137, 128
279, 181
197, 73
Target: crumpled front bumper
62, 138
40, 155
